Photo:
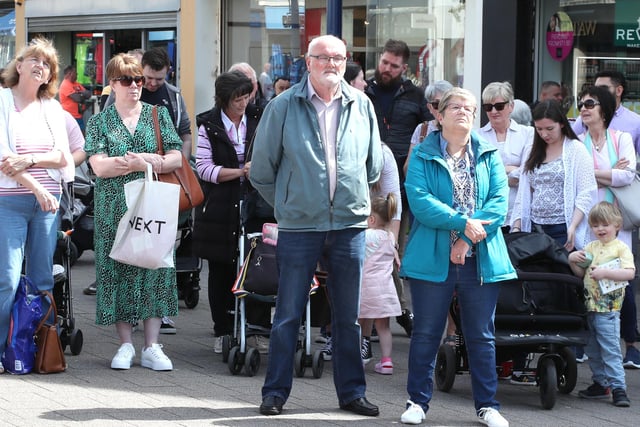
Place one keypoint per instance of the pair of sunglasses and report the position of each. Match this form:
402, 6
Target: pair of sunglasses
127, 80
499, 106
435, 104
589, 104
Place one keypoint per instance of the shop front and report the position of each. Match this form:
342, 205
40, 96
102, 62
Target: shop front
579, 38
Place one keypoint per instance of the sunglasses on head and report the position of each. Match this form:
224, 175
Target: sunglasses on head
127, 80
589, 104
499, 106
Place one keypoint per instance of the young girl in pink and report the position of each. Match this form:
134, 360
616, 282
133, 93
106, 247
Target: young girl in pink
378, 297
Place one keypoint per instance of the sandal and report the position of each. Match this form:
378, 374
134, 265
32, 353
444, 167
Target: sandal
450, 340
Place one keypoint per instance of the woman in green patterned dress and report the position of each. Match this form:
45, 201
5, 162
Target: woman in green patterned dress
120, 142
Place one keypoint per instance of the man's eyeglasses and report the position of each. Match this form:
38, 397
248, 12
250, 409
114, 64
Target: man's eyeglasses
324, 59
127, 80
435, 104
499, 106
589, 104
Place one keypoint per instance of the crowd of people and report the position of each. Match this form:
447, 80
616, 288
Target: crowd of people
363, 177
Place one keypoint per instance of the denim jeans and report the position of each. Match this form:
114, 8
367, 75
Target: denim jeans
27, 233
431, 301
628, 313
603, 349
297, 255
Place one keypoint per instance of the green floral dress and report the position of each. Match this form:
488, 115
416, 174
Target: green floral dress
126, 293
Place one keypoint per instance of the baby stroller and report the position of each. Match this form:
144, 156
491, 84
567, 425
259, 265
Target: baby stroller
62, 292
260, 263
188, 266
81, 213
541, 312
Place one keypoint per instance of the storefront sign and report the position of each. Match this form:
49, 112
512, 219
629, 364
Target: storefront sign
559, 36
627, 23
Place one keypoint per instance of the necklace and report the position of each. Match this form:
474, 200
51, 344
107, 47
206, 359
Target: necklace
599, 145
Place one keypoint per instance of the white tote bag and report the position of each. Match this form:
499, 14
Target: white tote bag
146, 233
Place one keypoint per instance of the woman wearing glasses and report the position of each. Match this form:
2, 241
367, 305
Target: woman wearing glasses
120, 141
457, 191
510, 138
34, 159
614, 162
559, 172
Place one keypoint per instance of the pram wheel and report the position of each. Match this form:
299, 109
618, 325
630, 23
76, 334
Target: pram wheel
226, 346
251, 362
317, 364
235, 362
445, 371
76, 341
569, 376
191, 298
299, 363
548, 381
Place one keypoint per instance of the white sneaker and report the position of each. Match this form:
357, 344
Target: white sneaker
217, 345
492, 418
414, 414
154, 358
124, 357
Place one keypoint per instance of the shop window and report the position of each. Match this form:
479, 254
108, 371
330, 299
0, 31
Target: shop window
7, 36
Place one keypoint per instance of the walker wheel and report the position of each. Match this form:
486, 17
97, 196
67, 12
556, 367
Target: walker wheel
235, 361
251, 362
226, 346
76, 340
299, 363
317, 366
445, 371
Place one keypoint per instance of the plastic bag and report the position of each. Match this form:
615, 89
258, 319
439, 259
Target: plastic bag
20, 354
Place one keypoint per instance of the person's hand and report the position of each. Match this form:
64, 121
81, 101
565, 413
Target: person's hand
137, 161
598, 273
246, 169
571, 235
474, 230
577, 256
46, 200
459, 252
153, 158
621, 164
13, 164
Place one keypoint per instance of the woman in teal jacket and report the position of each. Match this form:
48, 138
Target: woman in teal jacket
457, 191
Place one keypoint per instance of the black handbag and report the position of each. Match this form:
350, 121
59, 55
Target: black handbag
259, 272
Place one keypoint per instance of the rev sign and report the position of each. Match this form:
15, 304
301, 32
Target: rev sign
627, 23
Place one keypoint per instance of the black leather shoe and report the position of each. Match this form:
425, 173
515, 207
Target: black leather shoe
361, 406
406, 321
271, 405
90, 290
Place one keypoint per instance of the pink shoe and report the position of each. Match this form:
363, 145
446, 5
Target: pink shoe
385, 368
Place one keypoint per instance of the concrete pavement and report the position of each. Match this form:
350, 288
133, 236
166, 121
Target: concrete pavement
200, 391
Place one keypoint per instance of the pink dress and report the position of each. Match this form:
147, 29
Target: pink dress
378, 297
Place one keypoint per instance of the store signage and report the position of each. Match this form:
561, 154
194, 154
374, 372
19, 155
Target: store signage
559, 36
627, 23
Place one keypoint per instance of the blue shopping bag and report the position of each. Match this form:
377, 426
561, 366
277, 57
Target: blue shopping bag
20, 353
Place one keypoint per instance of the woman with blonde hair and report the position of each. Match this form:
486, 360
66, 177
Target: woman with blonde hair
34, 160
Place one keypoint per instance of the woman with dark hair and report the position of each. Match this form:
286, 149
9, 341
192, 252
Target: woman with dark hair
354, 75
559, 171
34, 159
224, 133
614, 162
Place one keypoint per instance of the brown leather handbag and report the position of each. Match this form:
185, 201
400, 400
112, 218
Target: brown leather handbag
49, 356
191, 194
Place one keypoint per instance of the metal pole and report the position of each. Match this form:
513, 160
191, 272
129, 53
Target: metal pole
334, 18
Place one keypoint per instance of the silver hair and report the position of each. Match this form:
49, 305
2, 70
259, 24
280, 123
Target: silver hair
521, 112
497, 90
439, 87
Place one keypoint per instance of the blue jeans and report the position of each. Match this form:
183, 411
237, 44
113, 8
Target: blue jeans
603, 349
297, 255
27, 233
477, 303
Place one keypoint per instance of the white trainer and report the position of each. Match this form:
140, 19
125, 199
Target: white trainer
217, 345
492, 418
414, 414
154, 358
124, 357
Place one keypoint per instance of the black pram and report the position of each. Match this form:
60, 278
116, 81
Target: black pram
542, 311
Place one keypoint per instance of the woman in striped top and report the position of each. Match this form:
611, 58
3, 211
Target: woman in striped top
34, 160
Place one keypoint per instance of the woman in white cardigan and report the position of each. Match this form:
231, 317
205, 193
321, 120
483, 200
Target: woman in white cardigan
557, 186
34, 160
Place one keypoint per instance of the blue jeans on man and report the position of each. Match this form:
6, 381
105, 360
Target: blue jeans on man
477, 303
603, 349
24, 225
297, 255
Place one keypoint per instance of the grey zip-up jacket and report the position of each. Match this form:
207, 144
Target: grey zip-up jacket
289, 170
